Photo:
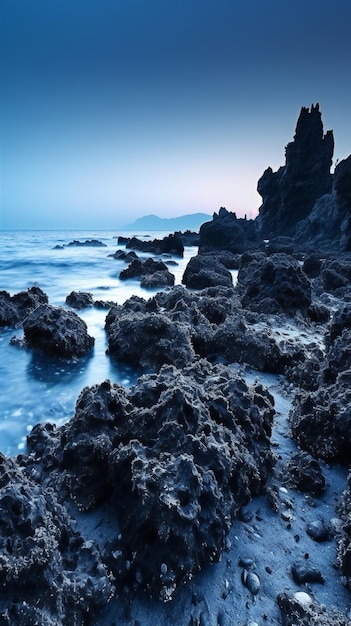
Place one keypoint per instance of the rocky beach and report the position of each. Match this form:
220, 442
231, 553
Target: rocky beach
215, 489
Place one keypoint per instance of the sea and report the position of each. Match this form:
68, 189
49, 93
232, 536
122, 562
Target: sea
35, 388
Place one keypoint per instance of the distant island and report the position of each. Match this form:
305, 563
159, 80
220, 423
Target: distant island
192, 221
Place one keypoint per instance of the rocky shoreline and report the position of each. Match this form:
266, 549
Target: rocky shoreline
216, 490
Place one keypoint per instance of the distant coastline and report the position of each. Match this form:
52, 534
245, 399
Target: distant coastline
192, 221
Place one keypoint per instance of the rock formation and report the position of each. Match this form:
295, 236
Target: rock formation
227, 232
57, 332
290, 193
13, 309
178, 455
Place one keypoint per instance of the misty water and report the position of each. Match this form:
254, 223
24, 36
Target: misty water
36, 388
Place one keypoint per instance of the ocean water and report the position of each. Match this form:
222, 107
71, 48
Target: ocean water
36, 388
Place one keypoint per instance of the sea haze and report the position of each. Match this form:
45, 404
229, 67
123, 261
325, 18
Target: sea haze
35, 388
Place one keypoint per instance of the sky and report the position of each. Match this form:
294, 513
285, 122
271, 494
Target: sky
114, 109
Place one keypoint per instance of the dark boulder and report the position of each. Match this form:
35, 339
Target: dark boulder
88, 243
158, 279
275, 284
57, 332
122, 255
206, 270
148, 340
13, 309
171, 244
304, 473
48, 574
178, 454
227, 232
321, 420
79, 300
152, 273
302, 610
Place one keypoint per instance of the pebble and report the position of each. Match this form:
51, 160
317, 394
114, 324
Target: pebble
318, 530
251, 581
302, 598
246, 562
303, 573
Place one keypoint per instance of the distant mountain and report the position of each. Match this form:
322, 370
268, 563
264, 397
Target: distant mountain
192, 221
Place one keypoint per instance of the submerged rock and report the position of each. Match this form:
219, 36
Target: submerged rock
79, 300
56, 331
179, 454
13, 309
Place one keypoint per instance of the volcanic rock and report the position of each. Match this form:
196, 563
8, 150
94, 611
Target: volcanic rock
227, 232
13, 309
57, 332
179, 454
290, 193
79, 300
304, 473
344, 543
171, 244
274, 284
206, 270
48, 574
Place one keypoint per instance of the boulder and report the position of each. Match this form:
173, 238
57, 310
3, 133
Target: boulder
227, 232
152, 273
300, 608
57, 332
13, 309
178, 454
171, 244
303, 472
48, 574
148, 340
321, 420
206, 270
79, 300
91, 243
275, 284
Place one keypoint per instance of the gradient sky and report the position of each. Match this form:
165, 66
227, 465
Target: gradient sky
112, 109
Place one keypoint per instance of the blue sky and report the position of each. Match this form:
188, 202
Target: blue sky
112, 109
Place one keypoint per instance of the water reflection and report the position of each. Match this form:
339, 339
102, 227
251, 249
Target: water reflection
53, 371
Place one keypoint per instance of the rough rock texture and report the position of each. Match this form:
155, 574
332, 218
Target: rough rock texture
13, 309
48, 574
328, 226
227, 232
179, 454
290, 193
304, 473
92, 243
344, 544
57, 332
121, 255
172, 244
206, 270
177, 326
152, 273
274, 284
79, 300
321, 420
301, 610
147, 340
